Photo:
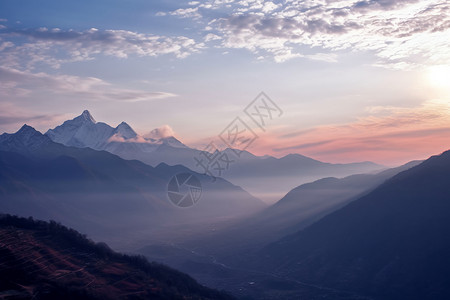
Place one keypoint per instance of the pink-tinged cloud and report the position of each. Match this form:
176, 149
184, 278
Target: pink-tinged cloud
389, 136
12, 117
15, 83
161, 132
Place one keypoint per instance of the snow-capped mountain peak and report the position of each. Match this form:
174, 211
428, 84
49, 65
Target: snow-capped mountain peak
82, 131
26, 139
160, 133
86, 116
26, 131
124, 130
173, 142
164, 135
29, 136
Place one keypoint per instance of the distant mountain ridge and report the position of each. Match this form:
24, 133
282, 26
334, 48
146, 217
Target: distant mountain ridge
85, 131
266, 177
299, 208
90, 190
392, 243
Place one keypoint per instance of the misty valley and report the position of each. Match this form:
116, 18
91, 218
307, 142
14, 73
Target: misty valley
355, 231
225, 149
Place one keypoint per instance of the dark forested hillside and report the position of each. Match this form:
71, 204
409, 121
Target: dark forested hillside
45, 260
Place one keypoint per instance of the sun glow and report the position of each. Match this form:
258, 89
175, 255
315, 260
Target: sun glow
439, 76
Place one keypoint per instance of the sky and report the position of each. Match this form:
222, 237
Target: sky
355, 80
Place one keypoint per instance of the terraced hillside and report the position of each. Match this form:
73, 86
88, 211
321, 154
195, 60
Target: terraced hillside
45, 260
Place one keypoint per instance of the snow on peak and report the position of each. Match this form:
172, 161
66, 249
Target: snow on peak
82, 131
25, 139
164, 135
173, 142
26, 130
86, 116
125, 131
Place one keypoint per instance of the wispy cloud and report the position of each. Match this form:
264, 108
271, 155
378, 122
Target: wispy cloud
388, 135
402, 33
21, 83
160, 132
190, 12
26, 47
13, 116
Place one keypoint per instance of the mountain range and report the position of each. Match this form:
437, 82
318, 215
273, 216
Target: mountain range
92, 190
84, 131
378, 235
265, 177
299, 208
381, 236
392, 243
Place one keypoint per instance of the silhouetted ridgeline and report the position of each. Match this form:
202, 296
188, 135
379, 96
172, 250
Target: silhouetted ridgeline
46, 260
392, 243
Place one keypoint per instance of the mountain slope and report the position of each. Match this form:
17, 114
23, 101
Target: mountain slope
91, 190
267, 178
41, 260
392, 243
301, 207
309, 202
84, 131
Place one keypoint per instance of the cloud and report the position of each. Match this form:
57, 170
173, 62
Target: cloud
388, 135
381, 4
327, 57
191, 12
120, 139
21, 83
12, 117
56, 46
161, 132
401, 33
211, 37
